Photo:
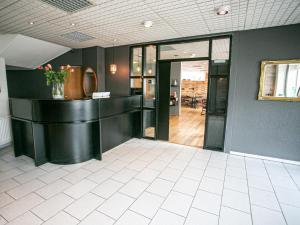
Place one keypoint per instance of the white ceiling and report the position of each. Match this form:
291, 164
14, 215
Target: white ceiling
194, 66
27, 52
107, 20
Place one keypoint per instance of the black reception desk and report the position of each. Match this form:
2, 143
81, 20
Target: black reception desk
73, 131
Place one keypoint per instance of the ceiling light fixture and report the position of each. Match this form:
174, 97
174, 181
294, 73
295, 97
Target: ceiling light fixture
72, 24
223, 10
148, 23
31, 22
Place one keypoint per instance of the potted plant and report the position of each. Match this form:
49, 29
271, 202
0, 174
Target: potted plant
56, 78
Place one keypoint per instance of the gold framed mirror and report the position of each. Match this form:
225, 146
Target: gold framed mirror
280, 80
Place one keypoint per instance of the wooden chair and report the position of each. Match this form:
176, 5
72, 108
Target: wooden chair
203, 105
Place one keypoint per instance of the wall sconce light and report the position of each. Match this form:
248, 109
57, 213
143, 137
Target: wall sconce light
113, 66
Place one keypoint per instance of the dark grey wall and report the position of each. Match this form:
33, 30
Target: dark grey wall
94, 57
262, 127
32, 83
117, 84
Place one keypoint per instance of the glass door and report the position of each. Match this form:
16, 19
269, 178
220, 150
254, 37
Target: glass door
217, 99
143, 82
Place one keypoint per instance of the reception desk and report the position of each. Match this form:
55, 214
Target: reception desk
73, 131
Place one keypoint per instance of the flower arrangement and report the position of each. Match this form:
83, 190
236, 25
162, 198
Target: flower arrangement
54, 77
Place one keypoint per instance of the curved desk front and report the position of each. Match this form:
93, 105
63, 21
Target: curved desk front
73, 131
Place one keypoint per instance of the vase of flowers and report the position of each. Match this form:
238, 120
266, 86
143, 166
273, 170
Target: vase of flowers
56, 79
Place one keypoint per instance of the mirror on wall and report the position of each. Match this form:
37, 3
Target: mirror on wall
280, 80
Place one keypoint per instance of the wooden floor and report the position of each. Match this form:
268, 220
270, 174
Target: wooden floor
188, 128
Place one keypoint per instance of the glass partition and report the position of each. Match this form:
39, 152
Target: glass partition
136, 62
150, 61
197, 49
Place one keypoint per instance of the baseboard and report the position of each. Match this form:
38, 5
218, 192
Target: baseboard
5, 145
266, 158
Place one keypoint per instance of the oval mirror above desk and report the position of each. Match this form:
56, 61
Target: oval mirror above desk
89, 81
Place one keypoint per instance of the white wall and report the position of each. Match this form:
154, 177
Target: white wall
5, 131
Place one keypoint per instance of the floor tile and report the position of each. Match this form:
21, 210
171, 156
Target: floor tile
291, 214
95, 166
30, 175
288, 196
12, 173
238, 172
186, 186
283, 181
264, 199
50, 167
5, 199
236, 184
207, 202
200, 217
84, 206
132, 218
7, 185
236, 200
167, 218
53, 176
263, 216
19, 207
137, 165
62, 218
211, 185
230, 216
178, 164
124, 175
81, 188
107, 188
52, 206
216, 173
161, 187
97, 218
260, 183
2, 221
193, 173
54, 188
116, 205
147, 175
25, 189
170, 174
100, 176
26, 219
198, 164
116, 165
178, 203
134, 188
76, 176
147, 204
158, 165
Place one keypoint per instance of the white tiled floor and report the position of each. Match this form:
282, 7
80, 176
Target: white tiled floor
144, 182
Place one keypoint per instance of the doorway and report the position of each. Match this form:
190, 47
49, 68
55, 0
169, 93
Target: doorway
216, 53
188, 98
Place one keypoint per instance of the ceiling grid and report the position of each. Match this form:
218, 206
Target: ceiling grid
106, 20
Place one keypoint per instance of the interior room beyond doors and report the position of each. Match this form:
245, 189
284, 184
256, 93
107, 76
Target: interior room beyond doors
188, 98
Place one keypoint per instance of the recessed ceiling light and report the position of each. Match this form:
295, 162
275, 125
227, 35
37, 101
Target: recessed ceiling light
72, 24
223, 10
148, 23
31, 22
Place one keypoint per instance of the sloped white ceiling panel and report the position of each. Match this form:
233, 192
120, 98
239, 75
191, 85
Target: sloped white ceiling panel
28, 52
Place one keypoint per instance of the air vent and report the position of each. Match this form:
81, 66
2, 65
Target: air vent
167, 48
69, 5
77, 36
